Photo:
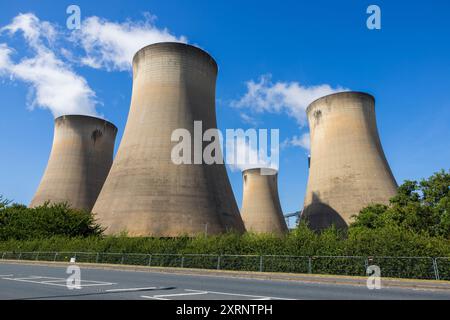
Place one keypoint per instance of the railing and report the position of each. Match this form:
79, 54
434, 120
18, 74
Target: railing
437, 268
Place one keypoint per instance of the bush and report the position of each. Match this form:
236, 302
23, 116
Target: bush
21, 223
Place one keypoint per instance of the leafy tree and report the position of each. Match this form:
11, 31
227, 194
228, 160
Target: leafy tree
19, 222
422, 207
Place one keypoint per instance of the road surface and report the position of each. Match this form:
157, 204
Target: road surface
30, 282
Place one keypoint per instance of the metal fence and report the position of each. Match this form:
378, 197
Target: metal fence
437, 268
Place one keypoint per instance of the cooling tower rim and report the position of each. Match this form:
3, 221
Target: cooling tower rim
178, 44
275, 171
82, 116
342, 93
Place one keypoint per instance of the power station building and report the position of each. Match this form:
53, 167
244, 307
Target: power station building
261, 209
348, 168
146, 194
80, 159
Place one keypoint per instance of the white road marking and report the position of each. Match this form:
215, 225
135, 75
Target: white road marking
241, 295
31, 281
179, 294
131, 289
192, 292
148, 297
6, 275
37, 278
41, 280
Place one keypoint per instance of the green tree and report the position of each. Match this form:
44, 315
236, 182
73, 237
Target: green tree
422, 207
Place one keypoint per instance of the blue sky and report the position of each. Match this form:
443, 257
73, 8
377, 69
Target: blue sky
283, 47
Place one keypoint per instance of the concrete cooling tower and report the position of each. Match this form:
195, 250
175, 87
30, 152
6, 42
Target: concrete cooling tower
261, 209
348, 168
146, 194
79, 162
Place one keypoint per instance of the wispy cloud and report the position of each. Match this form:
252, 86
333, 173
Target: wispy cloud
112, 45
53, 83
248, 156
34, 30
5, 57
291, 98
302, 141
248, 119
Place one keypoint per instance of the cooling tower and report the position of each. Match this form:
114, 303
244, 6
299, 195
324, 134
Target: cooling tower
348, 168
79, 162
261, 210
146, 194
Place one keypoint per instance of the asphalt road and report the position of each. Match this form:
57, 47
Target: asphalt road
49, 282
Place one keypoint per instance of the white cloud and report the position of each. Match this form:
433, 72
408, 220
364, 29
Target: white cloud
248, 155
5, 60
32, 28
246, 118
291, 98
302, 141
53, 84
112, 45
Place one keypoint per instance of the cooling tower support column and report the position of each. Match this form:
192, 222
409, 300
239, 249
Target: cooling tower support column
146, 194
348, 168
79, 162
261, 210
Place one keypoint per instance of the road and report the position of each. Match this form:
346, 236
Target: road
36, 282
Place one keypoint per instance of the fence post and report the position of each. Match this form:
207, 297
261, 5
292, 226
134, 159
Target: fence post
218, 262
436, 269
123, 258
3, 255
149, 260
37, 256
309, 265
56, 255
20, 256
182, 261
97, 257
261, 263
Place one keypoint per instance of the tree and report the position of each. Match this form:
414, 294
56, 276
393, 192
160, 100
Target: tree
418, 206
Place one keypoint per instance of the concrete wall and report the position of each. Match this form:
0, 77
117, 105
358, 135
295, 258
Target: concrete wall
145, 194
261, 209
81, 156
348, 167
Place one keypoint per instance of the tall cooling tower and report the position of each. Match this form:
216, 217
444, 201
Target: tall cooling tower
348, 168
146, 194
261, 209
79, 162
